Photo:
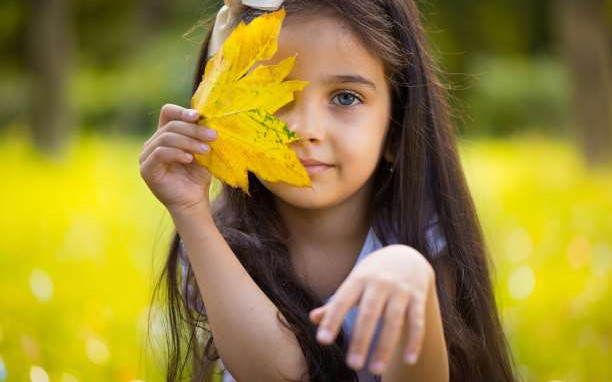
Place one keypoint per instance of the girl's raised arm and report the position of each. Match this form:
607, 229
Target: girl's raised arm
253, 344
251, 341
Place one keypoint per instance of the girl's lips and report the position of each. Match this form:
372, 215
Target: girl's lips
316, 168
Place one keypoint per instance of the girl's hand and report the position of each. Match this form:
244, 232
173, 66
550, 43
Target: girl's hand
393, 281
167, 164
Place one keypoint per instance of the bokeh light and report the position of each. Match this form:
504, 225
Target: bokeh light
38, 374
41, 285
97, 351
522, 282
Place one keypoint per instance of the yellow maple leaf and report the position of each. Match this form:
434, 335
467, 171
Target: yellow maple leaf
240, 107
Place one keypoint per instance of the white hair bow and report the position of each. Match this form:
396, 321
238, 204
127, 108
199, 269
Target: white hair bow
229, 16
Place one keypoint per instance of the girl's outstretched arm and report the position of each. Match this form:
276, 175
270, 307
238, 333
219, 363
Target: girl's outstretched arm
253, 344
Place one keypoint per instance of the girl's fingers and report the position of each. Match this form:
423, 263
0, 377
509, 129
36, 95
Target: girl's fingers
316, 315
171, 139
191, 130
416, 328
345, 297
370, 309
170, 112
162, 156
394, 317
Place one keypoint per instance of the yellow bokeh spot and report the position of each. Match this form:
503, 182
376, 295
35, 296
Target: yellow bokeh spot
97, 351
41, 285
579, 252
521, 283
38, 374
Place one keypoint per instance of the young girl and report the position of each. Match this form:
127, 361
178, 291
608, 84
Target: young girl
376, 272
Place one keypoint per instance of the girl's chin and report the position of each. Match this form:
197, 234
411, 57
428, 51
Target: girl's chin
303, 197
302, 203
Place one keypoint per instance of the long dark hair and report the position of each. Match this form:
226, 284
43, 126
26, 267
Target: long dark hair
427, 178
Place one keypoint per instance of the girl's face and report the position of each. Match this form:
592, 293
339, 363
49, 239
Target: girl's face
342, 116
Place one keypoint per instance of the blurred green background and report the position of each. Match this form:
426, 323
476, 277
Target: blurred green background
83, 239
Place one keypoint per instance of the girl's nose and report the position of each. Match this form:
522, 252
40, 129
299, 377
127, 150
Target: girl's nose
304, 119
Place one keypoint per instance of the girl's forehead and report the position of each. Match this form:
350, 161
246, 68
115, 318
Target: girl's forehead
325, 43
322, 29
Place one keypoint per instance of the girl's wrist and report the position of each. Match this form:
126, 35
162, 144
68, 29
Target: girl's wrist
200, 213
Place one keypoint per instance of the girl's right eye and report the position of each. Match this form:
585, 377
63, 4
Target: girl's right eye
347, 96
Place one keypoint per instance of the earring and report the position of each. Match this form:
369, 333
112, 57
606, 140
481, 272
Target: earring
390, 167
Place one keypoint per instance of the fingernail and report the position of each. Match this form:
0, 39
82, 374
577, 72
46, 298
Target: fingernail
410, 358
204, 148
355, 360
191, 114
377, 367
212, 134
324, 336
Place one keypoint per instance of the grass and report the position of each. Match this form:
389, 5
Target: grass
83, 240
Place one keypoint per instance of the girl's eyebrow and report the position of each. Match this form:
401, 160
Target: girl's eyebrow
343, 78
